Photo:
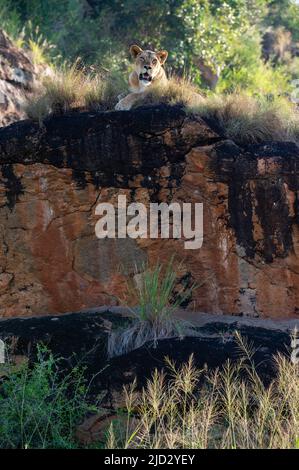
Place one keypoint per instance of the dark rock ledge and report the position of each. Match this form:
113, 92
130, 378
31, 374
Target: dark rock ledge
81, 338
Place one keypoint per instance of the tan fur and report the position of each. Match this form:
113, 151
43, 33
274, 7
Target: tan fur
148, 70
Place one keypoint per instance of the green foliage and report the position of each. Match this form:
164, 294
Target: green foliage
155, 291
39, 407
225, 36
10, 18
247, 71
284, 13
211, 30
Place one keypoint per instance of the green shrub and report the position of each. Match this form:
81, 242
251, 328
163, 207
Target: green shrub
226, 36
10, 19
39, 407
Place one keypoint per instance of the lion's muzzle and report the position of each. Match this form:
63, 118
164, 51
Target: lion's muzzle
145, 77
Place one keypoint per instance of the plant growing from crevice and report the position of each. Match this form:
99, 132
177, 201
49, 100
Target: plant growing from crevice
154, 317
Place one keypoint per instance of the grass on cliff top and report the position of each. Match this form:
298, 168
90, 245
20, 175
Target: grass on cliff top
240, 117
178, 91
247, 120
73, 88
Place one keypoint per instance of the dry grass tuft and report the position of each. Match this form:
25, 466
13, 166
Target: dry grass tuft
228, 409
177, 91
146, 331
73, 88
248, 120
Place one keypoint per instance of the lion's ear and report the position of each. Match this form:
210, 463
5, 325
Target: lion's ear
162, 56
135, 50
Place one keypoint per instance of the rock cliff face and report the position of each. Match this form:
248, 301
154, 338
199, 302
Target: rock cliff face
52, 178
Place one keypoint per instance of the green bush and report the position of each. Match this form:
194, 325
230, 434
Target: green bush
226, 36
10, 19
40, 407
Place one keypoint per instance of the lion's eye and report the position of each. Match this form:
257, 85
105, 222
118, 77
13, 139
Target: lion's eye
142, 59
154, 61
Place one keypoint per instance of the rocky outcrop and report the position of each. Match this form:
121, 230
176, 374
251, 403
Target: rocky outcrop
81, 339
276, 44
18, 76
52, 178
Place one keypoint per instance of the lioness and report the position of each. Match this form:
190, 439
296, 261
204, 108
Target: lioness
148, 69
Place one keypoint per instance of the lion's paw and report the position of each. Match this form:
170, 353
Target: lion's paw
118, 106
122, 105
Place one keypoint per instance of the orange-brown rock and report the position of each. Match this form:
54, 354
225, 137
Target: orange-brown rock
52, 178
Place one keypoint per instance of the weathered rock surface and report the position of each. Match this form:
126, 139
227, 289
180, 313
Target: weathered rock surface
81, 339
52, 178
18, 76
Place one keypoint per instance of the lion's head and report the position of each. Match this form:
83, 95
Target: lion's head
148, 64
